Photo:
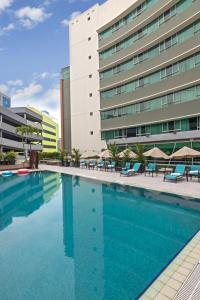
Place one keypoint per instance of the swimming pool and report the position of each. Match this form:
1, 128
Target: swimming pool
66, 237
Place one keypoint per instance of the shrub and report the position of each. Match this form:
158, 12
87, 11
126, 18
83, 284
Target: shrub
10, 156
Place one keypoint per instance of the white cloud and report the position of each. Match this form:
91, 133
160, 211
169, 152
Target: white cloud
4, 4
46, 75
73, 15
35, 95
26, 93
7, 28
31, 16
17, 82
3, 88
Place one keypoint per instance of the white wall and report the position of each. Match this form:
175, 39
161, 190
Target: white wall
80, 66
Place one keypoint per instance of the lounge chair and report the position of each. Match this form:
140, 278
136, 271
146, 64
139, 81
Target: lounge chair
83, 164
112, 166
133, 171
101, 164
92, 164
194, 172
151, 169
176, 175
127, 166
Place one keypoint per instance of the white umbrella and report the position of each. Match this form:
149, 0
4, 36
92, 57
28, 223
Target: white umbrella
105, 154
156, 153
128, 152
185, 152
89, 154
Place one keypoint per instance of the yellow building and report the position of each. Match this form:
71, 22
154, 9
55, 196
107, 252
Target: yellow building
50, 131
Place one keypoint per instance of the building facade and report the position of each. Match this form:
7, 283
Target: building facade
10, 118
5, 101
65, 110
135, 73
50, 131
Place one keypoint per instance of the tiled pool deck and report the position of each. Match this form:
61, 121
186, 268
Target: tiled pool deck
167, 285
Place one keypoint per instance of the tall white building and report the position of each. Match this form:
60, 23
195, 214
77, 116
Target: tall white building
84, 75
133, 76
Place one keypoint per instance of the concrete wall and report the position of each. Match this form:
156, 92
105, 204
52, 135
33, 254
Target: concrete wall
81, 67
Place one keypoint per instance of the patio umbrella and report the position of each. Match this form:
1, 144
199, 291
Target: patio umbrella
105, 154
185, 152
130, 153
156, 153
89, 154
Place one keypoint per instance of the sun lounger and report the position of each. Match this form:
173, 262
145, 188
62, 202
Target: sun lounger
176, 175
133, 171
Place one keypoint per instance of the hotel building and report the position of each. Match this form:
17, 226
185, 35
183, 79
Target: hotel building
135, 74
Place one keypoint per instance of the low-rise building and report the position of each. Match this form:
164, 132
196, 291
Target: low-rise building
10, 119
50, 131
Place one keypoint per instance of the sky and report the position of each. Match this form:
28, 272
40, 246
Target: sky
34, 48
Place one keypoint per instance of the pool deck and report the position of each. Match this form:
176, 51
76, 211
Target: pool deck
182, 188
169, 282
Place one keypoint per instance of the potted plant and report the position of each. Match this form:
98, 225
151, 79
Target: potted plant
10, 157
1, 155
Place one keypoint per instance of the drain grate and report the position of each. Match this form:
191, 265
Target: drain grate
191, 288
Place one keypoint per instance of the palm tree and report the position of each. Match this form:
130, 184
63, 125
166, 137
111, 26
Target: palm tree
25, 131
76, 155
140, 153
114, 151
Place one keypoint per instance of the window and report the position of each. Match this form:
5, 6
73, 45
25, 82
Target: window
91, 113
89, 57
132, 132
90, 76
171, 126
170, 99
88, 18
193, 124
91, 132
89, 39
90, 95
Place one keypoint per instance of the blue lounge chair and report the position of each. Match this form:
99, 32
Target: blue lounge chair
127, 166
112, 166
176, 175
133, 171
194, 172
83, 164
101, 165
151, 169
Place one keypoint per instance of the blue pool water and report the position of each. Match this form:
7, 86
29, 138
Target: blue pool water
64, 237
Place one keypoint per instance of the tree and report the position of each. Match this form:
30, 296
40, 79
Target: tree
76, 155
25, 131
114, 151
127, 156
140, 153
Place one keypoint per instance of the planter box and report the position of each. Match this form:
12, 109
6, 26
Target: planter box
14, 167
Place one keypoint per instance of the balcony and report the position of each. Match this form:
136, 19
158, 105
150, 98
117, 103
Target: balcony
18, 145
11, 129
159, 138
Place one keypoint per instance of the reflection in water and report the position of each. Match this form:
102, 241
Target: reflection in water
120, 238
20, 196
116, 239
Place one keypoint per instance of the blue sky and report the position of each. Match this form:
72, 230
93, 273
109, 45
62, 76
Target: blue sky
34, 47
